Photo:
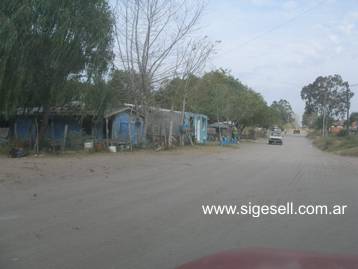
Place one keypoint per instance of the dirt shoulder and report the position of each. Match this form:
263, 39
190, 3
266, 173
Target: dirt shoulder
32, 169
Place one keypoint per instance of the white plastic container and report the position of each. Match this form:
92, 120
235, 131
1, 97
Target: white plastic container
88, 145
112, 149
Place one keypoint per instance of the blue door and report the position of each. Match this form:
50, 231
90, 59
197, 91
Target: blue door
123, 131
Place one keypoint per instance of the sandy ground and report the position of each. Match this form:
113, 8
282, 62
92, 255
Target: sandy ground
27, 172
143, 209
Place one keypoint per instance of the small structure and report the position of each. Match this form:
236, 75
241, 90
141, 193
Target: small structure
336, 127
197, 125
218, 130
225, 132
124, 126
163, 123
67, 125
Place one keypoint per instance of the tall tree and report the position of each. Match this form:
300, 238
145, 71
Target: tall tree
46, 42
329, 97
148, 35
119, 83
353, 117
220, 96
284, 111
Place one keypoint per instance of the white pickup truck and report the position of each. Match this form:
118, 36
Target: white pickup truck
275, 138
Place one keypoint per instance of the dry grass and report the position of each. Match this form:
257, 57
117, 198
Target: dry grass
347, 146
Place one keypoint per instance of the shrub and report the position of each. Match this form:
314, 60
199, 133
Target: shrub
343, 132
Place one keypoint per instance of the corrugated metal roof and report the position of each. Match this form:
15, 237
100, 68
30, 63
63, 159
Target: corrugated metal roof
120, 110
71, 109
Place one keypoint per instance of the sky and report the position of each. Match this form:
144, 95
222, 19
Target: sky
278, 46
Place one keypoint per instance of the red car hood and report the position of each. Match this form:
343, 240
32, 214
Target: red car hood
272, 259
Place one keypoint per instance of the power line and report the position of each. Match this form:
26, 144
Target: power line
259, 35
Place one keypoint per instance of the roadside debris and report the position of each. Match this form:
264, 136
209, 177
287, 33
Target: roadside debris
17, 153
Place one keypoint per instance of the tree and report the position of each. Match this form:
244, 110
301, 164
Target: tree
353, 117
212, 94
44, 43
248, 108
283, 111
148, 35
328, 97
193, 59
221, 97
309, 119
119, 83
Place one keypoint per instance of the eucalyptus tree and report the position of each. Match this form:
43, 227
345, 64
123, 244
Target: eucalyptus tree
284, 111
329, 97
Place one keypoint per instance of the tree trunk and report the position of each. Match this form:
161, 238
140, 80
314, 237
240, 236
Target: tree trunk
15, 131
44, 125
107, 133
348, 122
348, 108
37, 137
182, 121
170, 134
145, 127
324, 122
65, 131
130, 131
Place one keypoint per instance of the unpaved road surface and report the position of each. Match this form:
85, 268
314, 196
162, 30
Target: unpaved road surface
143, 210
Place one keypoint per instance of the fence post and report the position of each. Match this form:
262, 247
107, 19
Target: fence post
107, 132
170, 133
64, 137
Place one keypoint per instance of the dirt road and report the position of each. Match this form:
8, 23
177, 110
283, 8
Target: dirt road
143, 210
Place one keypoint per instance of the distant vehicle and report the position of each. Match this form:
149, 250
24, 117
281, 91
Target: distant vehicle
296, 131
275, 138
276, 129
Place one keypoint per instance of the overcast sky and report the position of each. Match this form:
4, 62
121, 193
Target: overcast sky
278, 46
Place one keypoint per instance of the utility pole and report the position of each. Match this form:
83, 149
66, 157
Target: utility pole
324, 120
348, 108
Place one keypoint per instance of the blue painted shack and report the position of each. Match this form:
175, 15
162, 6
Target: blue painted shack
80, 125
124, 126
197, 124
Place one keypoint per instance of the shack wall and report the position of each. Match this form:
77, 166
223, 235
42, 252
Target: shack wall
194, 124
127, 128
26, 129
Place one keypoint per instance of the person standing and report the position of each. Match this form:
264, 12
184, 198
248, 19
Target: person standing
235, 134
